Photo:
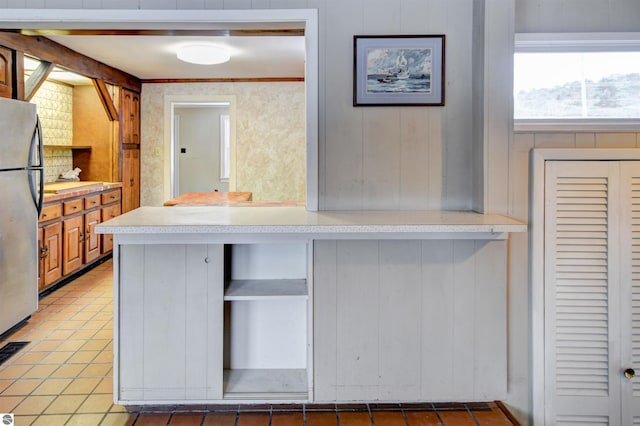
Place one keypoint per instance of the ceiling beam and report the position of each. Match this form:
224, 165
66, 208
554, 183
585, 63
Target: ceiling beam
50, 51
37, 78
106, 99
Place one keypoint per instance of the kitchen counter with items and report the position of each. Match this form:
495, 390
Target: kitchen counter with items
67, 240
235, 303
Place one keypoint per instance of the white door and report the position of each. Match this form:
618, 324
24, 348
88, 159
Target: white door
587, 316
630, 292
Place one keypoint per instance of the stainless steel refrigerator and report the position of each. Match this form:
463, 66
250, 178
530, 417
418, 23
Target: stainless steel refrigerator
21, 196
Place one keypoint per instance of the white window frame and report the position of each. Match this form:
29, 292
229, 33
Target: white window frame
576, 42
225, 147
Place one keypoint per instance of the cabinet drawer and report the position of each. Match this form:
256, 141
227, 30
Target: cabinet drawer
92, 201
50, 212
110, 196
110, 212
73, 206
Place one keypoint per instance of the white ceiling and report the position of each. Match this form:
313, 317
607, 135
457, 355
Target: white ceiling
154, 57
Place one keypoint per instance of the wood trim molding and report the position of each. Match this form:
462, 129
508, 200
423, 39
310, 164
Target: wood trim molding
225, 80
50, 51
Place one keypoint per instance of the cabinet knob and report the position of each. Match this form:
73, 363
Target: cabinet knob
629, 373
206, 260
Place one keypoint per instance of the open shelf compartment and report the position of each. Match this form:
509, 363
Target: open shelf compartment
265, 322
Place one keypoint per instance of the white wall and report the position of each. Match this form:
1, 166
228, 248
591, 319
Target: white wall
199, 166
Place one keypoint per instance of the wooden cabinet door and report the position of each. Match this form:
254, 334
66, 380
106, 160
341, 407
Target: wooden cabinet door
6, 73
73, 239
130, 119
52, 253
130, 179
109, 213
91, 239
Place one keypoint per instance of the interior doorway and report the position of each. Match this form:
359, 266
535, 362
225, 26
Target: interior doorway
133, 19
203, 139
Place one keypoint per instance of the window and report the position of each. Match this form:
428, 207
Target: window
577, 81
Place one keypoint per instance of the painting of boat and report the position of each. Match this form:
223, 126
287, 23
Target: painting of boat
406, 70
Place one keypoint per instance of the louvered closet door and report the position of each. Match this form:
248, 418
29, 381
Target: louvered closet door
630, 291
581, 307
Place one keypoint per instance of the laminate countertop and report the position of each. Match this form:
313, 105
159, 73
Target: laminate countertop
298, 223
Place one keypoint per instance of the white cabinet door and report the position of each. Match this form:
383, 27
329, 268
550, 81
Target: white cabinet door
589, 327
630, 293
171, 348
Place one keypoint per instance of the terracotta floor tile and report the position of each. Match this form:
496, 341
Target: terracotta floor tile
51, 420
51, 387
5, 383
24, 420
82, 316
105, 386
65, 404
45, 345
152, 419
13, 371
104, 357
69, 370
253, 419
350, 418
40, 371
57, 357
96, 370
321, 418
72, 325
220, 419
22, 387
82, 357
491, 418
96, 404
83, 334
82, 386
33, 405
388, 418
456, 418
186, 419
8, 403
422, 418
84, 419
72, 344
280, 418
119, 419
28, 358
95, 345
104, 334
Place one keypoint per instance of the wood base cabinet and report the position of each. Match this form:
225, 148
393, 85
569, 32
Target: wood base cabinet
67, 238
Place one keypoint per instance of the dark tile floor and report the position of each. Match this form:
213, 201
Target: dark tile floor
63, 377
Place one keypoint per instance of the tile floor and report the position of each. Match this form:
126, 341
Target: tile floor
63, 377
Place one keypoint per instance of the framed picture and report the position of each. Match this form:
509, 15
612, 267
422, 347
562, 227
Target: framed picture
398, 70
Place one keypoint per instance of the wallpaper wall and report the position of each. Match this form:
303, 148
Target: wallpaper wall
55, 109
270, 137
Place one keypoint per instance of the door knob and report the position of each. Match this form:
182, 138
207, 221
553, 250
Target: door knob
629, 373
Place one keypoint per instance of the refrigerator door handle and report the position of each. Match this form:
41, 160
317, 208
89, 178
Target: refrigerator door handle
36, 142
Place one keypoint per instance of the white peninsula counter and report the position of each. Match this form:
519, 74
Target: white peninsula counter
222, 303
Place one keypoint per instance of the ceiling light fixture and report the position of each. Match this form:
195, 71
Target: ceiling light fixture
203, 54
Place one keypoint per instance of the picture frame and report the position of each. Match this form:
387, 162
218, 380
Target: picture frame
398, 70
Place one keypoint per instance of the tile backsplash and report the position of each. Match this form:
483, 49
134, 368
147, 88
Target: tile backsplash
55, 109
